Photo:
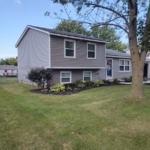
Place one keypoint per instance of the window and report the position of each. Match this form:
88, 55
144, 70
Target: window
91, 51
87, 75
69, 49
5, 70
65, 77
124, 65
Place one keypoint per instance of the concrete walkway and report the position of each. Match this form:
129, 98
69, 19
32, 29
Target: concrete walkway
128, 83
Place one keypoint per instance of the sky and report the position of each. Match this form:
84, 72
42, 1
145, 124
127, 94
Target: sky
15, 15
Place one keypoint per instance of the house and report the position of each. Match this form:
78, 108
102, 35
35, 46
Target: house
118, 64
8, 70
71, 56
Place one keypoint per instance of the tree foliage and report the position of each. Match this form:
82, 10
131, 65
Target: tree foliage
72, 26
108, 34
103, 33
9, 61
40, 75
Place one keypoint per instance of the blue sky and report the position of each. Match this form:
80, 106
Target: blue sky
15, 15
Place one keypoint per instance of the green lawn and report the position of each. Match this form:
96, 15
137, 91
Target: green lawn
96, 119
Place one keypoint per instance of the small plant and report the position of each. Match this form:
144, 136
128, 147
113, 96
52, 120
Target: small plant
115, 81
89, 83
57, 88
107, 82
98, 83
80, 86
128, 79
78, 82
68, 88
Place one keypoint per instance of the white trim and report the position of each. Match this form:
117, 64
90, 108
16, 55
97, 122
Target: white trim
90, 75
108, 77
73, 48
79, 67
49, 50
24, 32
65, 72
125, 65
95, 50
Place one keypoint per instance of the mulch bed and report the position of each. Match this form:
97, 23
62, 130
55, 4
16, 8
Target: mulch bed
74, 91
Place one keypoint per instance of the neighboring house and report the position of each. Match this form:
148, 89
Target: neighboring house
118, 64
8, 70
147, 65
71, 56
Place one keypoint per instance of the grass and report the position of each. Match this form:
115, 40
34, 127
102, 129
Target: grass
96, 119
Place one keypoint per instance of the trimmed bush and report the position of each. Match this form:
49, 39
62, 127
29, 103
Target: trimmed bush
89, 83
78, 82
115, 81
98, 83
128, 79
40, 75
57, 88
107, 82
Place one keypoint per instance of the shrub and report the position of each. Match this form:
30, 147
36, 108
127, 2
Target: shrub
40, 75
89, 83
115, 81
68, 88
78, 82
98, 83
107, 82
57, 88
80, 86
128, 79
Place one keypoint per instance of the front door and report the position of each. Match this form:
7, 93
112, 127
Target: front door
109, 68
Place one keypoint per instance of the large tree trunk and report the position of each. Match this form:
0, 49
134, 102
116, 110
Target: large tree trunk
137, 90
138, 61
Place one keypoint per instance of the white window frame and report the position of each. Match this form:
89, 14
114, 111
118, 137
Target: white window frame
62, 77
90, 75
68, 40
124, 65
92, 51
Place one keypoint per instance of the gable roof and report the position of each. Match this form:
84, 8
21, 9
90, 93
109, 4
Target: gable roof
59, 33
8, 67
114, 53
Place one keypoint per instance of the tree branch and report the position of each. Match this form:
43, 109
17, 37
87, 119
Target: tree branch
112, 10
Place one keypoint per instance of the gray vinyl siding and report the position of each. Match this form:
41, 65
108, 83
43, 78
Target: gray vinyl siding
117, 73
58, 60
33, 51
77, 74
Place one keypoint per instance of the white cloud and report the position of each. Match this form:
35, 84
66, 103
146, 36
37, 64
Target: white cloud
18, 2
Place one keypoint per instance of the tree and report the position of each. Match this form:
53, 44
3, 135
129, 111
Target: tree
72, 26
108, 34
40, 76
132, 17
9, 61
104, 33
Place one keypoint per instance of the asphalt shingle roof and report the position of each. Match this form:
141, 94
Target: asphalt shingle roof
113, 53
67, 33
8, 67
